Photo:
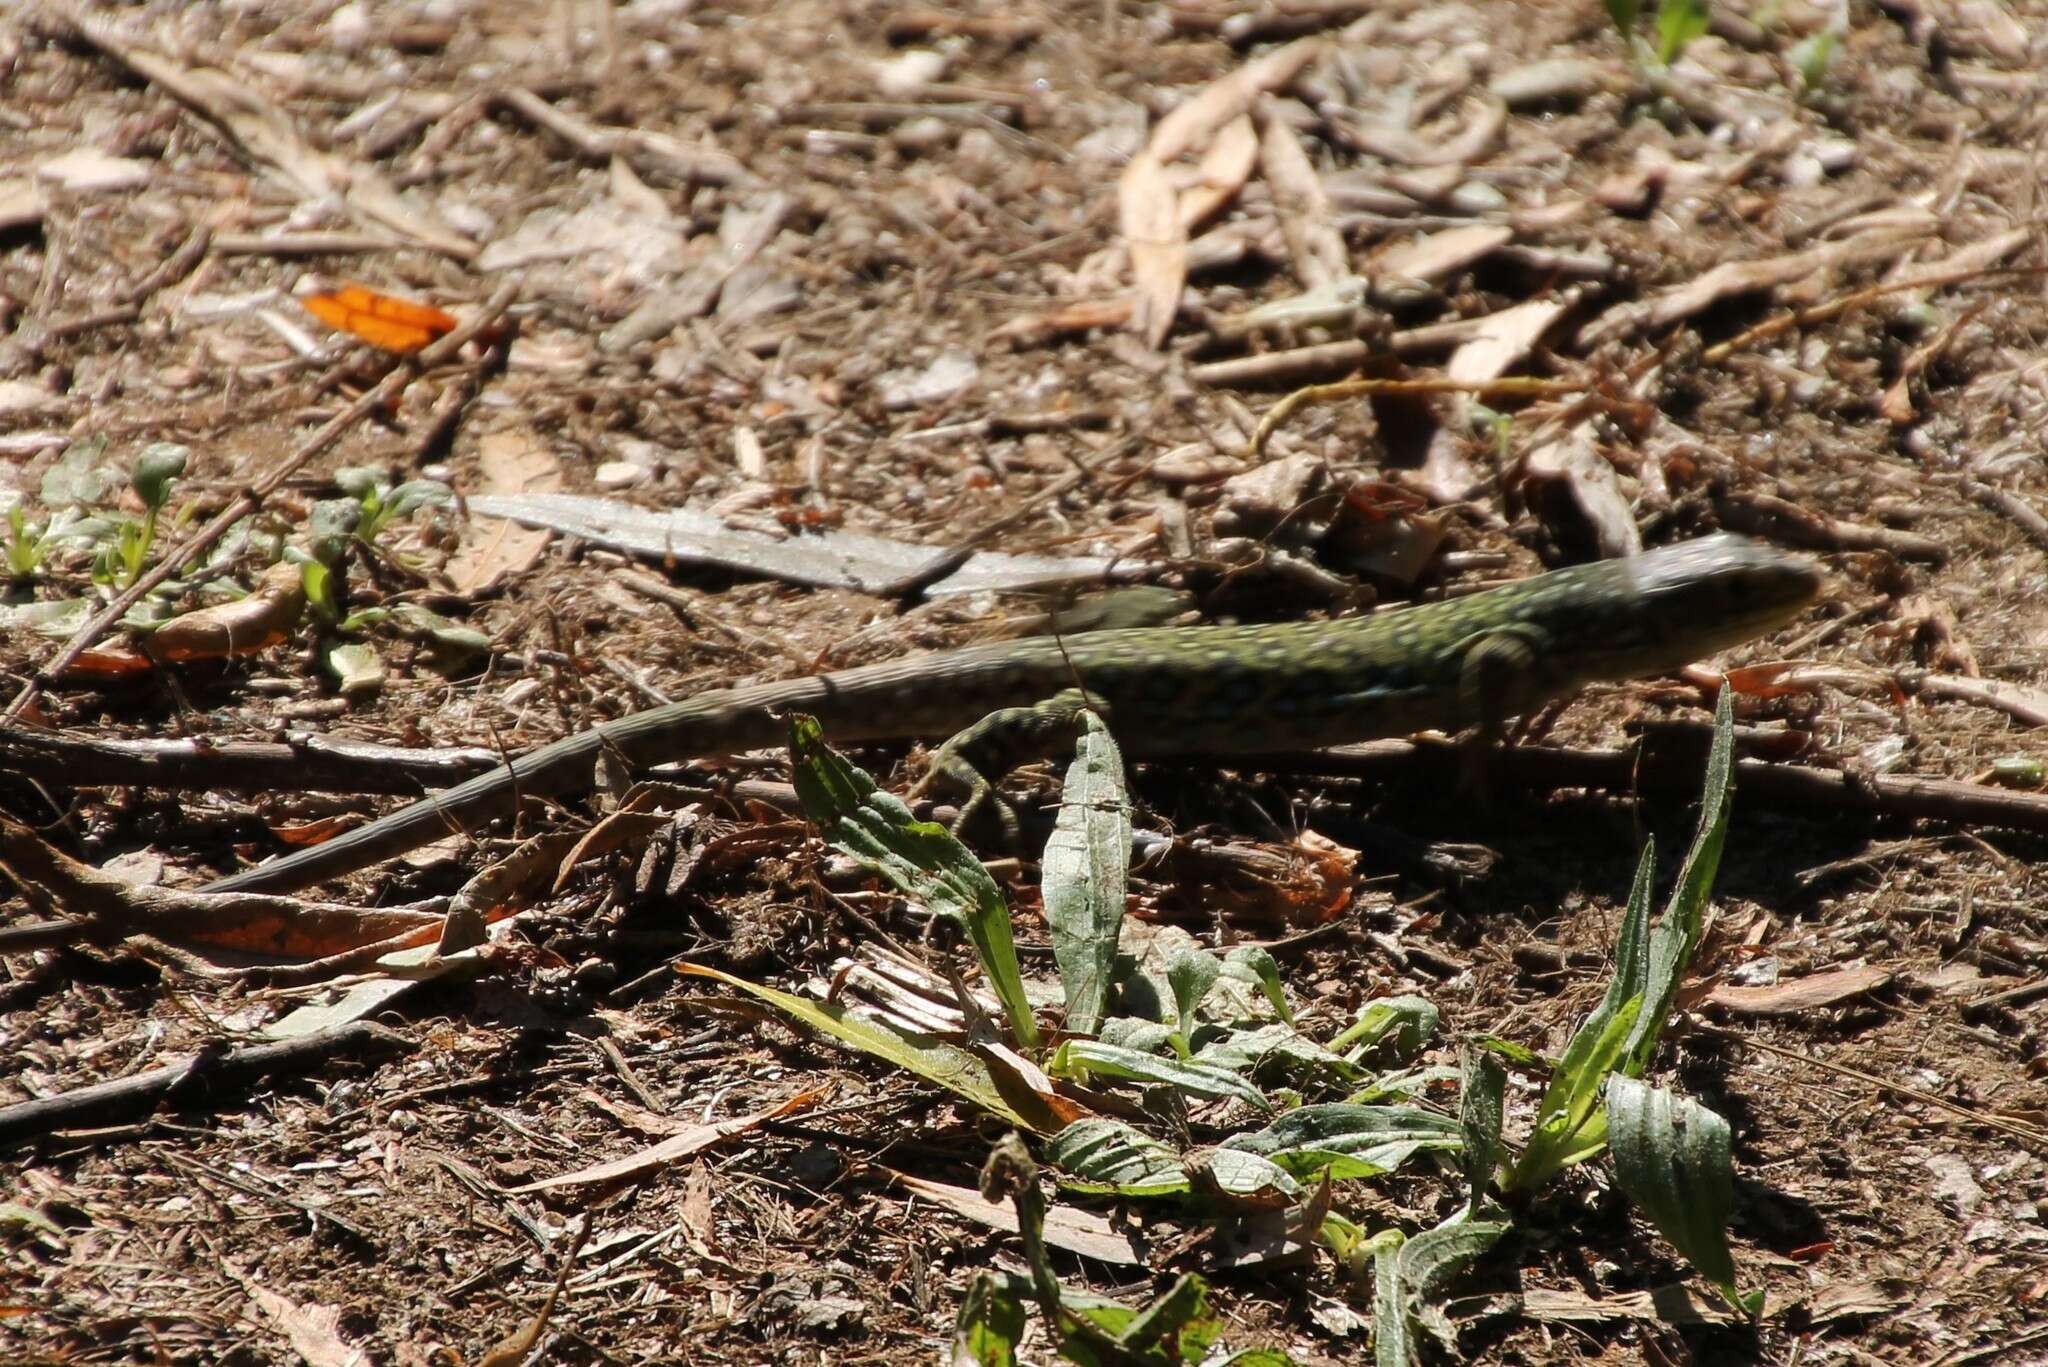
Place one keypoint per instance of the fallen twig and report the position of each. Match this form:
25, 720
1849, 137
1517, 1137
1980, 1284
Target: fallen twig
209, 1077
252, 498
2009, 505
299, 763
1674, 770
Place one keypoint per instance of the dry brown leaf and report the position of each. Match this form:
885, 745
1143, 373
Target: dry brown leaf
1798, 995
657, 1156
1148, 216
1225, 168
1076, 1231
512, 461
1306, 218
1504, 338
1575, 490
1439, 256
1149, 209
251, 923
312, 1329
268, 136
255, 622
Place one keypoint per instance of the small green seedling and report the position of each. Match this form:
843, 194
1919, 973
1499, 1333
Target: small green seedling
382, 503
156, 469
1677, 23
27, 546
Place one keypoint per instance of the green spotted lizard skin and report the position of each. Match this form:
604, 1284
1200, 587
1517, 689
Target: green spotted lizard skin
1206, 690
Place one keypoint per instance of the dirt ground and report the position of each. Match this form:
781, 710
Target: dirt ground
828, 266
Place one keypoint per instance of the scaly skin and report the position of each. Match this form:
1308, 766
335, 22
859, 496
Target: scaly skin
1215, 690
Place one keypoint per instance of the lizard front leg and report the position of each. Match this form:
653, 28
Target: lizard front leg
998, 743
1493, 673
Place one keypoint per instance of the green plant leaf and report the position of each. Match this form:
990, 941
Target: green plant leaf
1678, 23
1672, 1157
920, 857
1404, 1085
156, 466
360, 482
1344, 1141
1251, 1176
1684, 920
1258, 964
1177, 1323
1080, 1057
1111, 1156
990, 1322
1624, 14
415, 494
1565, 1113
1275, 1048
1408, 1278
318, 581
952, 1068
78, 478
1481, 1099
1190, 973
1404, 1024
1086, 875
1812, 58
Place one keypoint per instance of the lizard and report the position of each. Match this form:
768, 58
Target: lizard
1218, 690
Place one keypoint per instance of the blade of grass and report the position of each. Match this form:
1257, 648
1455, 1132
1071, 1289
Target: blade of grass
920, 857
954, 1069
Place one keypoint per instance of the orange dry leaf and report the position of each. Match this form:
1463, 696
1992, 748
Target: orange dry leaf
382, 320
301, 834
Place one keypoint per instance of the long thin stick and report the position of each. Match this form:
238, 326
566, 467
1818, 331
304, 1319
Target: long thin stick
250, 499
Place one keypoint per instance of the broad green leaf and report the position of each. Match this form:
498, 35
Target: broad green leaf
1404, 1084
1623, 13
954, 1069
1269, 1049
1345, 1141
920, 857
78, 478
415, 494
1521, 1055
1190, 973
1480, 1102
362, 481
1251, 1176
1406, 1024
59, 618
1409, 1279
1132, 1032
1077, 1057
990, 1322
1086, 875
1678, 23
156, 465
1649, 966
1672, 1158
1258, 965
1104, 1155
1175, 1327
